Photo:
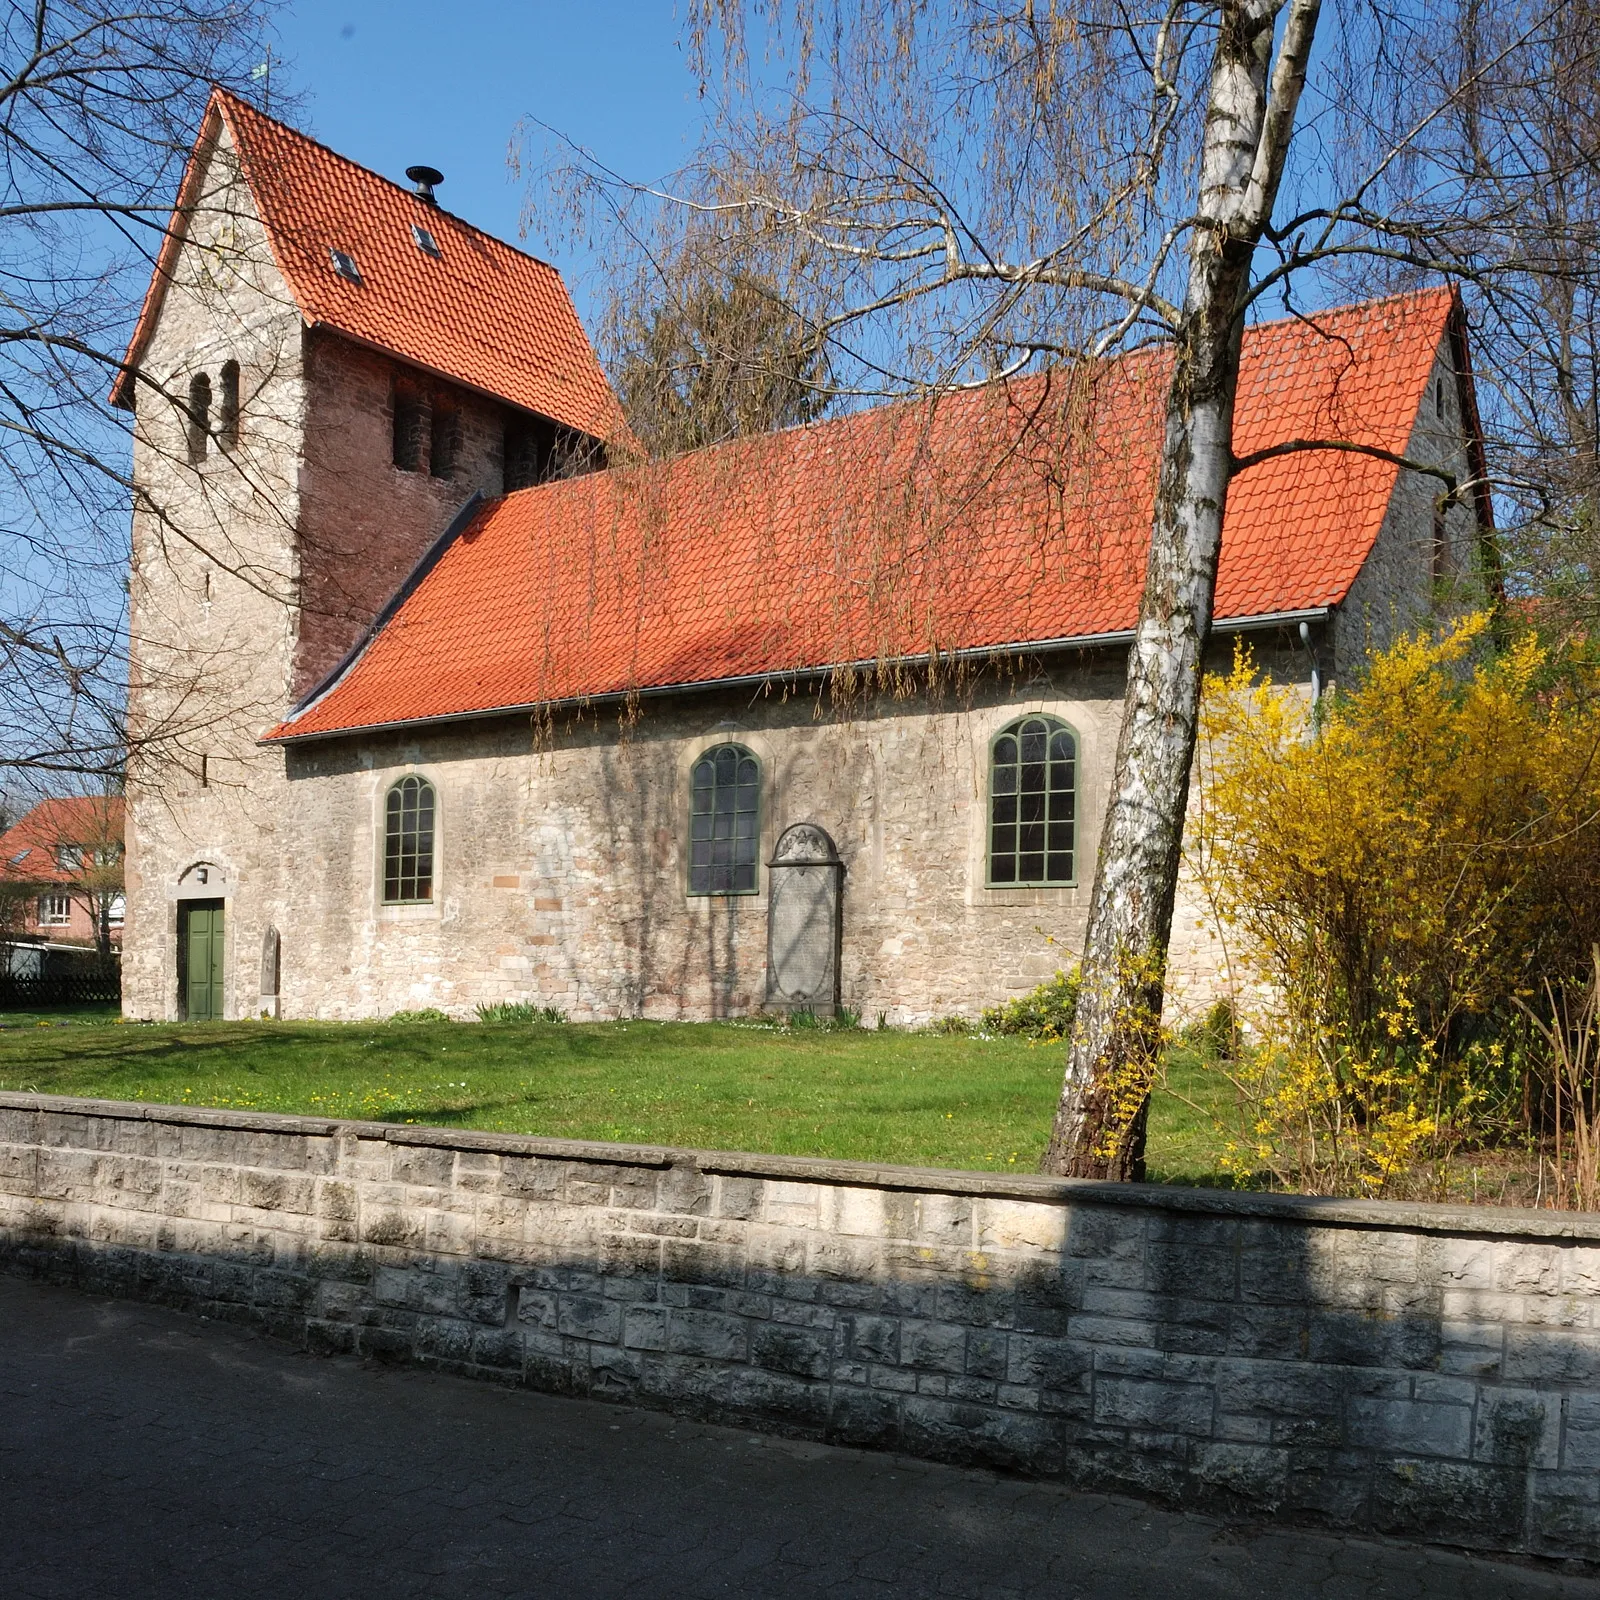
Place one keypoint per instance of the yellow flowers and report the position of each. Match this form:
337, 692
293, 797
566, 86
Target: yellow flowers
1395, 867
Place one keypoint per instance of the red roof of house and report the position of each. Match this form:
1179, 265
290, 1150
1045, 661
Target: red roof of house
1008, 516
28, 849
480, 312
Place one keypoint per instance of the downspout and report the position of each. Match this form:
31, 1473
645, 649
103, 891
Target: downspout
1316, 675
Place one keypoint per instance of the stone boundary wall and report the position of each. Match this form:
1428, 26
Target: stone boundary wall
1420, 1370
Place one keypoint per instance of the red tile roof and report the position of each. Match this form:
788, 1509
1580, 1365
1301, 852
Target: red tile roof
480, 313
28, 848
1009, 516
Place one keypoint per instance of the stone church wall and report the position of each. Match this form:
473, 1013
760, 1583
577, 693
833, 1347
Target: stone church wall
1428, 1371
561, 861
1407, 582
214, 574
368, 521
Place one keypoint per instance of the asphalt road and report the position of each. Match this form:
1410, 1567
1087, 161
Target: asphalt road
146, 1455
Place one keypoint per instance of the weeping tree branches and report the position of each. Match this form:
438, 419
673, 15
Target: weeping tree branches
98, 107
945, 194
713, 364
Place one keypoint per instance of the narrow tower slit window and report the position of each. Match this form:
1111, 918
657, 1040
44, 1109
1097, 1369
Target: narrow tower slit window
408, 843
199, 418
724, 821
411, 425
526, 448
445, 444
228, 411
1033, 804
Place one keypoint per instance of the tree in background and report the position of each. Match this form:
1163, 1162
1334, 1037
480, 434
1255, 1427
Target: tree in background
716, 362
92, 864
951, 193
1534, 136
99, 103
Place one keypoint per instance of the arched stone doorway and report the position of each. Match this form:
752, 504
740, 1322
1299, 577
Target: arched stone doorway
202, 942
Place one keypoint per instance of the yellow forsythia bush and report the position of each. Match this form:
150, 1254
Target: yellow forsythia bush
1397, 869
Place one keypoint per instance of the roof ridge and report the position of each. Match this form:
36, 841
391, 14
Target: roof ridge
1351, 307
238, 102
474, 310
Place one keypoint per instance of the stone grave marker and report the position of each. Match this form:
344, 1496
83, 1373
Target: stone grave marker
804, 921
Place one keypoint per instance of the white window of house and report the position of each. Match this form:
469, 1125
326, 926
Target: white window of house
69, 857
55, 910
116, 911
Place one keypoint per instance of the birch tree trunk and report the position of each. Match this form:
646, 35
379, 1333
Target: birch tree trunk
1099, 1126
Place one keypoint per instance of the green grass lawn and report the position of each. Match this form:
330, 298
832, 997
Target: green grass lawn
915, 1098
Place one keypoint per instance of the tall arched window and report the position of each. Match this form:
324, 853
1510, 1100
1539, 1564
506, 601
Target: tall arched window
1033, 803
408, 843
724, 821
199, 419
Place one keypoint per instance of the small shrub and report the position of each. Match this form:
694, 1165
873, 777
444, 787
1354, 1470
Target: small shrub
427, 1014
843, 1018
520, 1011
1402, 872
1044, 1013
1216, 1034
952, 1025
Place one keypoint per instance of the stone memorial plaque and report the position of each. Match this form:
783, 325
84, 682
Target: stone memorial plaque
271, 959
803, 921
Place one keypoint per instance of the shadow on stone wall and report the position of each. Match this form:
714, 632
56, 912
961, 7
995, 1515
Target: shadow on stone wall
1408, 1370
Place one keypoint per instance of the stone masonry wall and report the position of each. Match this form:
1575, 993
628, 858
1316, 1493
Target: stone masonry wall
215, 562
367, 522
1426, 1371
561, 870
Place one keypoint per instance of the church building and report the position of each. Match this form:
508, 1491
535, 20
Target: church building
443, 696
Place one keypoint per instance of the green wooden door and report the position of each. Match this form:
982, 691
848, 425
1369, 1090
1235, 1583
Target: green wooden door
202, 947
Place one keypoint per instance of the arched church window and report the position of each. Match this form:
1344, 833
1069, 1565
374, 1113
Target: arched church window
199, 419
408, 842
724, 821
1033, 803
228, 409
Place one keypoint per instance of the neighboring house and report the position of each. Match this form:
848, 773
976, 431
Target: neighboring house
486, 723
61, 875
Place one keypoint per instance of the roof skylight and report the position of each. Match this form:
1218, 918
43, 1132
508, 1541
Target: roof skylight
425, 241
344, 264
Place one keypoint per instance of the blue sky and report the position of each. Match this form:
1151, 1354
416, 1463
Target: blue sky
391, 83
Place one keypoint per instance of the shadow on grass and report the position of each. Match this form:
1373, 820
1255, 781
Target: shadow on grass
441, 1116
